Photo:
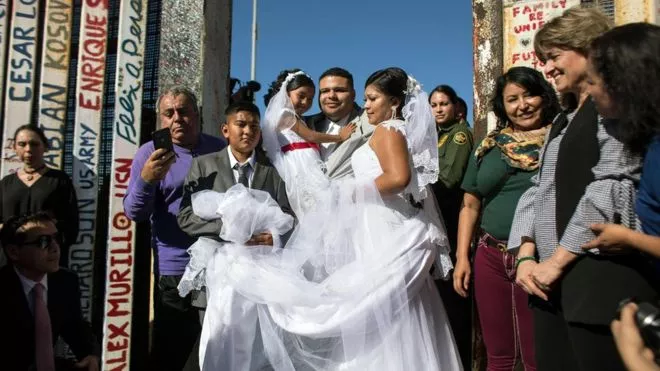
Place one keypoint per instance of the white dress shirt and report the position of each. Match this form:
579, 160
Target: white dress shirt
250, 170
28, 285
333, 129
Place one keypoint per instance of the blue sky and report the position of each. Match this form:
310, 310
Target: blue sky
432, 40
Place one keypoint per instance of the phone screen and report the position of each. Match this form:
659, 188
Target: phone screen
162, 139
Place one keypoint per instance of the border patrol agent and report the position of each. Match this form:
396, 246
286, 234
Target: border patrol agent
455, 144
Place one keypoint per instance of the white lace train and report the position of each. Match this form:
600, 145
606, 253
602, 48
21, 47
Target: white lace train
366, 304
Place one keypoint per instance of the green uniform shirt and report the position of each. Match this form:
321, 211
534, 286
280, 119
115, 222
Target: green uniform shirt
499, 192
454, 149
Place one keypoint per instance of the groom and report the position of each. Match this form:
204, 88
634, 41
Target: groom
338, 108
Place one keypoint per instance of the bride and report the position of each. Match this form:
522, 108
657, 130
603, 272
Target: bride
351, 288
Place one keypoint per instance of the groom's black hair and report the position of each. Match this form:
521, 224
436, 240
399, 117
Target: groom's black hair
242, 106
339, 72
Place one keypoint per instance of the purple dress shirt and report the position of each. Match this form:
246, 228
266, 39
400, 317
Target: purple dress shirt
159, 202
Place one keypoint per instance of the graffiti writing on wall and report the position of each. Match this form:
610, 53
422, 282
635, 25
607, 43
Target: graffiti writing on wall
522, 19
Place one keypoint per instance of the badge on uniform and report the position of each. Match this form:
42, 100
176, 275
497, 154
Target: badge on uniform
442, 140
460, 138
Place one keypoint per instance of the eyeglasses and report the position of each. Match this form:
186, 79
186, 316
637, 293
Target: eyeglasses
45, 241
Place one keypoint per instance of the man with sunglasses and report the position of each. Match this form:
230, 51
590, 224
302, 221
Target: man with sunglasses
40, 300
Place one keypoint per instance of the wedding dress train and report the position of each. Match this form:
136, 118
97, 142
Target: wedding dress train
349, 290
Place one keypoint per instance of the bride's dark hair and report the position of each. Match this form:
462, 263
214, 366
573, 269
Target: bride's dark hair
297, 82
392, 81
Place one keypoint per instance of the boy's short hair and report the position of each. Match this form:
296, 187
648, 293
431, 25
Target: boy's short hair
236, 107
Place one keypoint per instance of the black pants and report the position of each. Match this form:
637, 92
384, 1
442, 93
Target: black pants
459, 309
568, 346
459, 313
176, 328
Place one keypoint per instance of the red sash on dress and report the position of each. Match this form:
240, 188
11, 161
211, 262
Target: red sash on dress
299, 145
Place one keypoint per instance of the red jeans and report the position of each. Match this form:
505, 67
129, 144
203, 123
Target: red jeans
504, 313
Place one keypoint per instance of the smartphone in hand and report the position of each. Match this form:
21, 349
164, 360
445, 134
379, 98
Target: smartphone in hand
162, 139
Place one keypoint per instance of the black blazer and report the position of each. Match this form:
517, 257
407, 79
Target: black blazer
17, 322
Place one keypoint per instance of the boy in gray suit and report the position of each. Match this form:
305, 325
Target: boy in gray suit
240, 162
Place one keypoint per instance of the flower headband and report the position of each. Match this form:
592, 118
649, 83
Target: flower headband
291, 76
412, 86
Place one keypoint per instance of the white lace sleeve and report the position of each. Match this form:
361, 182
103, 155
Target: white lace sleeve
287, 119
397, 125
421, 163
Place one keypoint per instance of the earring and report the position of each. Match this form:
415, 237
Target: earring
393, 113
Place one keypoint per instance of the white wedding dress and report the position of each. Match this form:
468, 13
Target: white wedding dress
350, 290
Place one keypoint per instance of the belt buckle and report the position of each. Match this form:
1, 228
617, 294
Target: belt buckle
501, 246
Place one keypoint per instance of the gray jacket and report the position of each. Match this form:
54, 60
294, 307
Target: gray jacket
338, 163
212, 172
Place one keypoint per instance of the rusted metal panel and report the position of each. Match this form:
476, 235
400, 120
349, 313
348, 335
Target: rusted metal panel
627, 11
504, 37
487, 63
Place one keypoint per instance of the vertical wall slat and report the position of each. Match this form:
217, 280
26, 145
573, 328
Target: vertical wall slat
4, 38
90, 82
53, 91
20, 77
120, 268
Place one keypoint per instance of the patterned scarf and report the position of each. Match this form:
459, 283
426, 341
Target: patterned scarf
519, 149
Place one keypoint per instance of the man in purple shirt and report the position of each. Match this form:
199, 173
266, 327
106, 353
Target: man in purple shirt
154, 193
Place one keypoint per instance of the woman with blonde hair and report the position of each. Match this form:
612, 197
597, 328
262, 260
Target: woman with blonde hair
587, 176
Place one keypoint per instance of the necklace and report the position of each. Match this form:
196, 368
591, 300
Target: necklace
30, 174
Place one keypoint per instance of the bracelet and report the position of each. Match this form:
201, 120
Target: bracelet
524, 258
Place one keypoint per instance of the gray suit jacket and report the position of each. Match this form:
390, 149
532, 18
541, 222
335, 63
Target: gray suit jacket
212, 172
338, 163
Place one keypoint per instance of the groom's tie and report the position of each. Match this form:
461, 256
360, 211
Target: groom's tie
43, 336
242, 173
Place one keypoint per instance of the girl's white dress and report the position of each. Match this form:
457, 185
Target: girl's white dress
350, 289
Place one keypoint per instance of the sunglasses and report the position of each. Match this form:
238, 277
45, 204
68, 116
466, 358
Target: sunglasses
45, 241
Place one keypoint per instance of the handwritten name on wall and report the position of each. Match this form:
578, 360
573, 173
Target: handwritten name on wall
119, 287
55, 77
90, 78
127, 121
130, 74
522, 20
22, 61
